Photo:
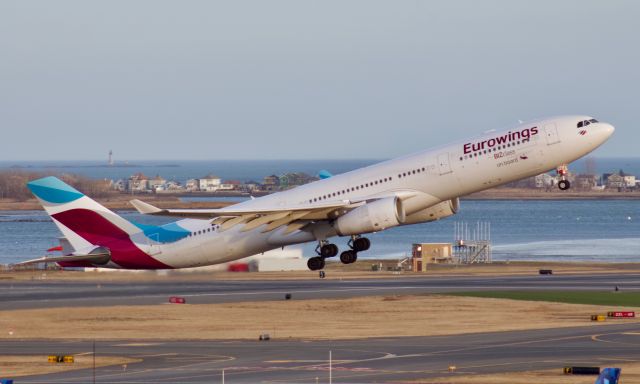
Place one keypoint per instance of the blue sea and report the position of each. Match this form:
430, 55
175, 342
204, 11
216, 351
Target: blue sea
563, 230
567, 230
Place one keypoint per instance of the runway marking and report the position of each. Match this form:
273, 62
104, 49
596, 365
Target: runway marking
137, 344
158, 355
443, 289
306, 361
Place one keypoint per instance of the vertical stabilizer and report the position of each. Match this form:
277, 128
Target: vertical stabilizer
86, 223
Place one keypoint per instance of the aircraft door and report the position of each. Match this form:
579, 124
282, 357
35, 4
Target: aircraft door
444, 166
551, 133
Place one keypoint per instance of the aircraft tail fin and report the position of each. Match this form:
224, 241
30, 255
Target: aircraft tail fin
609, 376
82, 221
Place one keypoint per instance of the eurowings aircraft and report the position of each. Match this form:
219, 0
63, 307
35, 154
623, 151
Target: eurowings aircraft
417, 188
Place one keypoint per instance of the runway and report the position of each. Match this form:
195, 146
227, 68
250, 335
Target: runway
302, 361
49, 294
353, 361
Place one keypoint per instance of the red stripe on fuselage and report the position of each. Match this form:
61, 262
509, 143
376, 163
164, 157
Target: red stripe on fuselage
97, 230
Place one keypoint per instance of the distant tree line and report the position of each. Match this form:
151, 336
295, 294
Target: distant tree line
13, 184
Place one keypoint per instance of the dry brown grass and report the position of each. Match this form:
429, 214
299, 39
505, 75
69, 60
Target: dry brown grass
15, 366
378, 316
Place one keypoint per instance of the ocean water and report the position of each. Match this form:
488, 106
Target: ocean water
181, 171
562, 230
521, 230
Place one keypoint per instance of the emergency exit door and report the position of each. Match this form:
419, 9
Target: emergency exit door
444, 166
551, 133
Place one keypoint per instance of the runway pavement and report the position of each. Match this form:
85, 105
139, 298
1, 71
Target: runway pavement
42, 294
353, 361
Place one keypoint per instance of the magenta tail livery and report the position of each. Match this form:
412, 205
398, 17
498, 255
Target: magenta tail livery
417, 188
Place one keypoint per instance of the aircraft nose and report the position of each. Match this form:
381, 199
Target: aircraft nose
608, 129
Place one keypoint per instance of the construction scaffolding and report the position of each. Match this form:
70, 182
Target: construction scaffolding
472, 245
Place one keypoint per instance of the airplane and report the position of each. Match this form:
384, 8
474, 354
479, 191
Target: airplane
417, 188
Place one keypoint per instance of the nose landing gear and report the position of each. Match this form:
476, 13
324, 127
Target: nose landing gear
562, 172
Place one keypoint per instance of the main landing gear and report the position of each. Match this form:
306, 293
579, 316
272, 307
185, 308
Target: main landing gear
325, 249
562, 172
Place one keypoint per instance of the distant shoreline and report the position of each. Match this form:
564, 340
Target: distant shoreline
121, 201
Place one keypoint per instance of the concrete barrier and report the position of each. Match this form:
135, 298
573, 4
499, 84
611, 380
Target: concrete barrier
61, 359
581, 370
621, 314
177, 300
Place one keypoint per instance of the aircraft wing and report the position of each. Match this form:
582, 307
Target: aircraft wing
294, 217
253, 218
95, 258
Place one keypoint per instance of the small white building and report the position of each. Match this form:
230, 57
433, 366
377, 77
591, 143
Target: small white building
192, 185
156, 184
209, 183
629, 181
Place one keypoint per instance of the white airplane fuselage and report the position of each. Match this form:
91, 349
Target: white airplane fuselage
422, 180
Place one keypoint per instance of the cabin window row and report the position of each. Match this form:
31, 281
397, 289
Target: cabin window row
203, 231
350, 189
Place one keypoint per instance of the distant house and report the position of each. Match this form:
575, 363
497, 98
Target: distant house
586, 181
295, 178
251, 186
619, 180
119, 185
192, 185
629, 181
157, 183
271, 183
230, 185
544, 180
137, 183
209, 183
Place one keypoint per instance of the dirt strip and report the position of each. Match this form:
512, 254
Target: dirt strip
362, 317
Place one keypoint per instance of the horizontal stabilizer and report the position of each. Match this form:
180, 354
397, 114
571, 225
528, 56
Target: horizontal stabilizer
96, 258
145, 208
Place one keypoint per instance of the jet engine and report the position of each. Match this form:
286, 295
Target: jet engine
435, 212
371, 217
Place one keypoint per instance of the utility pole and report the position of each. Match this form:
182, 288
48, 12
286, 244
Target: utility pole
330, 368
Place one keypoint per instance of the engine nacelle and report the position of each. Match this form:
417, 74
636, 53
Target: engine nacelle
371, 217
435, 212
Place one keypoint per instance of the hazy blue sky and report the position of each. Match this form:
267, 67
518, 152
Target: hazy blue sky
305, 79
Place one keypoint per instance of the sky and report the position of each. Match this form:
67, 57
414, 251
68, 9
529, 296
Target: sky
305, 79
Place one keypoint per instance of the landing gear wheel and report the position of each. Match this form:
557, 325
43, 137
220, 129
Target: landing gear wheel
328, 250
564, 185
315, 263
361, 244
348, 257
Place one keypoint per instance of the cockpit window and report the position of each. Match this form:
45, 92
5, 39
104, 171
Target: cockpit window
584, 123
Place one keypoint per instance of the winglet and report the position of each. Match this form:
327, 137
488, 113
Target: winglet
324, 174
145, 208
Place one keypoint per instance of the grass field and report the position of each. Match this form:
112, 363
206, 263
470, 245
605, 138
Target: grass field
625, 299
